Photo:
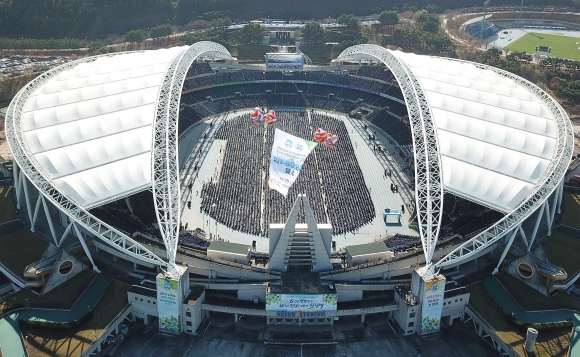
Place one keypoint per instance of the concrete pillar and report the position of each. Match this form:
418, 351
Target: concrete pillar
133, 318
98, 347
236, 318
531, 337
134, 265
362, 318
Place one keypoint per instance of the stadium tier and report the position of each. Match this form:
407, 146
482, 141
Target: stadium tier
475, 30
481, 144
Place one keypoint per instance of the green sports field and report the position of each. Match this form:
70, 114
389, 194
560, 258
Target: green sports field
562, 46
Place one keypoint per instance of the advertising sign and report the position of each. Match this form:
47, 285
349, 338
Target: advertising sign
301, 302
284, 61
167, 305
432, 305
288, 155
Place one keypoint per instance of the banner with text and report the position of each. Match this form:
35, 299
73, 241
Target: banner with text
167, 305
301, 303
432, 305
284, 62
288, 155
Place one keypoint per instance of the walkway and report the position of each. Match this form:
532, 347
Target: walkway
10, 337
511, 307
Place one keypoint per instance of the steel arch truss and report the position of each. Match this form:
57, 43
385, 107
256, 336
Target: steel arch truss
552, 177
48, 189
428, 181
165, 176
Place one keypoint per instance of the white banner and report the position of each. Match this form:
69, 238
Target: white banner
288, 155
301, 303
432, 305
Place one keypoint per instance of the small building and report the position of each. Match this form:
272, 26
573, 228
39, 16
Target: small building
144, 302
454, 302
366, 253
233, 252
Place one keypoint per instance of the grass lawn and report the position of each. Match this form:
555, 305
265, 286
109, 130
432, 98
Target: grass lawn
550, 343
42, 342
531, 300
62, 297
562, 46
20, 248
7, 208
562, 250
571, 209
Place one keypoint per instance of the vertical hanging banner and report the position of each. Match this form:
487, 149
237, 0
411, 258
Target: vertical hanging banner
288, 155
168, 305
432, 305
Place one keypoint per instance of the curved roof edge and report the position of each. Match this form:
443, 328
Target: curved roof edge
531, 200
428, 180
169, 94
553, 177
165, 159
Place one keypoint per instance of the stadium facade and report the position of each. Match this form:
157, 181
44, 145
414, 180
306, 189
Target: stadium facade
102, 128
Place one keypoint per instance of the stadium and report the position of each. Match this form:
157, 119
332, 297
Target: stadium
151, 156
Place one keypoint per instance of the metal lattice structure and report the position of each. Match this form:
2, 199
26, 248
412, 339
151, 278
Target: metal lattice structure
425, 139
552, 177
165, 140
165, 184
30, 168
428, 184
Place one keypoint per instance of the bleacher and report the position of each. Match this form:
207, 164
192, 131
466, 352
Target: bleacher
488, 29
396, 128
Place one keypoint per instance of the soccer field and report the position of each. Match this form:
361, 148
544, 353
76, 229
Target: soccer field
562, 46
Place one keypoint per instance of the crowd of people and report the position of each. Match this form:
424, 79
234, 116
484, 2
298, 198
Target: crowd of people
343, 179
331, 178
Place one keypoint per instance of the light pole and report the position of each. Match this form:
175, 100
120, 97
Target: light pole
520, 14
485, 4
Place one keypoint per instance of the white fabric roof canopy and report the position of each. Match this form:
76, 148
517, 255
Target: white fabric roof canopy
90, 127
496, 138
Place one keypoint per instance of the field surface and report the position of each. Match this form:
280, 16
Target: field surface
562, 46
